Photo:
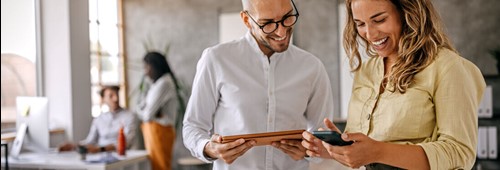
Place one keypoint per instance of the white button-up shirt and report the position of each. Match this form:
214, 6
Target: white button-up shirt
104, 129
239, 90
161, 97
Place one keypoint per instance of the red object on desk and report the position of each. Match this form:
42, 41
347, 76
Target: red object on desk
122, 143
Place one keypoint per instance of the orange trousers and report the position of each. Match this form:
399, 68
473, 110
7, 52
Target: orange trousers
159, 142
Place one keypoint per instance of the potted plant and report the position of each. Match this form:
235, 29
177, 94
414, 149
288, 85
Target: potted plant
496, 54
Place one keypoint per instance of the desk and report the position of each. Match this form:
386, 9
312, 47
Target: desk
134, 160
10, 136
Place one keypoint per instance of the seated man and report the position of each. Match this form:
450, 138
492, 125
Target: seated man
103, 134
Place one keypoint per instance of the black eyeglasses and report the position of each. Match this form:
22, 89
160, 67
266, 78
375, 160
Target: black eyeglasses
270, 27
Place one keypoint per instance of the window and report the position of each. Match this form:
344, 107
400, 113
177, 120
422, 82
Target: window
106, 54
19, 56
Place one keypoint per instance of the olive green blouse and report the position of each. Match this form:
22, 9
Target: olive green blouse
437, 112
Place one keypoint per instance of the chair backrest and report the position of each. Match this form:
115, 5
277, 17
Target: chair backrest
18, 79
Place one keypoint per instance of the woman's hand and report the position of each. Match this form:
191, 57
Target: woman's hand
313, 145
363, 151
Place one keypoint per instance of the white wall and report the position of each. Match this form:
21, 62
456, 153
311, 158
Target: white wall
231, 27
18, 28
346, 77
65, 48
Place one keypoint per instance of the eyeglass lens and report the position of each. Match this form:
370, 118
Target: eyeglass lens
286, 22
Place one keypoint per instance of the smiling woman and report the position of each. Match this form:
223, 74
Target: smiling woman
407, 93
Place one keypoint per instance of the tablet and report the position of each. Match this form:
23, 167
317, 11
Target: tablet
266, 138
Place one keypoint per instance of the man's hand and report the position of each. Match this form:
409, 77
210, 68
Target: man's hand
293, 148
67, 146
92, 148
110, 147
228, 152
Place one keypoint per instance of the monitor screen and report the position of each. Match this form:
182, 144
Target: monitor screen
33, 111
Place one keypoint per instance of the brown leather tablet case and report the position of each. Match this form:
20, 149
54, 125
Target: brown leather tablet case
266, 138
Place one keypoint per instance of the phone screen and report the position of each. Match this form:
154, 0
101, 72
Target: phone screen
331, 137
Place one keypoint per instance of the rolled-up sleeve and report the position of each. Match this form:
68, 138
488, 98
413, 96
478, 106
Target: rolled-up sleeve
457, 96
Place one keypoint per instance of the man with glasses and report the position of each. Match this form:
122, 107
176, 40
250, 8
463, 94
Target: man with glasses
259, 83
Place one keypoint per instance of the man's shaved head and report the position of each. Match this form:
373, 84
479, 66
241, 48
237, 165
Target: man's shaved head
246, 4
257, 13
250, 5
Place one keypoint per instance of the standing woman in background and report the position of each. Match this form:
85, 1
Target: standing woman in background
414, 101
158, 111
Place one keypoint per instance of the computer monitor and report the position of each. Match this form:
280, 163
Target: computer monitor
33, 112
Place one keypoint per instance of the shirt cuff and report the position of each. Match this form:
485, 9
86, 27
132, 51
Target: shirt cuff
200, 148
313, 159
430, 152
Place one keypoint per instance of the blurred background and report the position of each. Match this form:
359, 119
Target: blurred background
66, 50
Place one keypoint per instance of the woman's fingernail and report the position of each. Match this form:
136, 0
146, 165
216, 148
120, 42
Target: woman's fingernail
345, 136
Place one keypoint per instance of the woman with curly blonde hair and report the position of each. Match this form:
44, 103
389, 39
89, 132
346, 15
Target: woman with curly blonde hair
414, 100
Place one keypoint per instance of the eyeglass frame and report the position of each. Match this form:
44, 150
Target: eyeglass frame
282, 21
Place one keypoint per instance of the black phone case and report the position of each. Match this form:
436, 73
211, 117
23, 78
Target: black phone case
331, 137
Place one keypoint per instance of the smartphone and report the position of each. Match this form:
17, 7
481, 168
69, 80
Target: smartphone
331, 137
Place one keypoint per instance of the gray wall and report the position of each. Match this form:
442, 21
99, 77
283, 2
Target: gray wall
474, 28
191, 26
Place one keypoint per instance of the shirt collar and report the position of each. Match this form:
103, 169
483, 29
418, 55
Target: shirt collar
253, 43
112, 114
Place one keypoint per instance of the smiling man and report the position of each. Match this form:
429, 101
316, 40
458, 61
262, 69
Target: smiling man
259, 83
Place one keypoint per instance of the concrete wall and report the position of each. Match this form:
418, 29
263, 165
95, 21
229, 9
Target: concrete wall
474, 28
191, 26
